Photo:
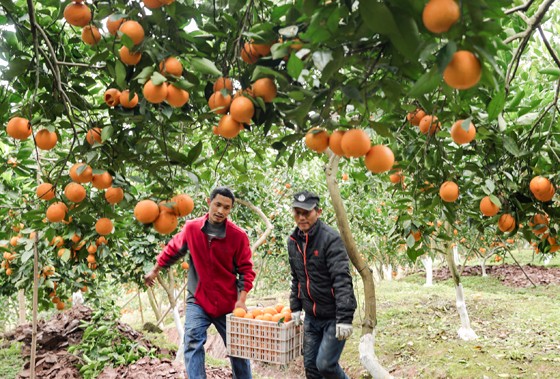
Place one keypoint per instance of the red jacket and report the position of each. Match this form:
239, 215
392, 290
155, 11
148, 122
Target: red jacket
223, 266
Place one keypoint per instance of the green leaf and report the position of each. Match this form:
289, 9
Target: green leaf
157, 78
495, 200
496, 105
426, 83
410, 241
194, 153
377, 17
120, 70
490, 185
295, 66
144, 74
66, 256
26, 255
205, 66
381, 128
511, 146
552, 71
106, 133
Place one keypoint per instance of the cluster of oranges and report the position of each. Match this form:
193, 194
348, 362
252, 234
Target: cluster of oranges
461, 132
164, 217
464, 70
353, 143
80, 173
278, 313
237, 109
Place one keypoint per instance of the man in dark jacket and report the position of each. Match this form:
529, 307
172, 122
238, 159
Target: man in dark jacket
221, 274
321, 286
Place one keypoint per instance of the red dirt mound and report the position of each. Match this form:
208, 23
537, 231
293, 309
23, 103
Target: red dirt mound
510, 275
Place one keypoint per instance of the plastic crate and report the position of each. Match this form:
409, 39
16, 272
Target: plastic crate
263, 340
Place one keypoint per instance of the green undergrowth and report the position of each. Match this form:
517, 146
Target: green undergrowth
11, 360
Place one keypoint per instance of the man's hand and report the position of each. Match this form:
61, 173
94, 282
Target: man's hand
150, 278
343, 331
296, 316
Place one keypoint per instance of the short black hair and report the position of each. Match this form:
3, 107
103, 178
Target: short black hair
224, 191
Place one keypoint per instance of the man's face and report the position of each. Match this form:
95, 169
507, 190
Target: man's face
306, 219
219, 209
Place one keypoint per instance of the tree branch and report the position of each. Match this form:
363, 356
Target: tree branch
263, 217
520, 8
532, 24
548, 47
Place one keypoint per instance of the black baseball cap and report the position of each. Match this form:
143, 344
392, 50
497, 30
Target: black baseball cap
305, 200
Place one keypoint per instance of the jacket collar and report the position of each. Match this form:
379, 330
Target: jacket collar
205, 221
298, 234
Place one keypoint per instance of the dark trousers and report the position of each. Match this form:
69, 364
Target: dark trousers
196, 324
321, 349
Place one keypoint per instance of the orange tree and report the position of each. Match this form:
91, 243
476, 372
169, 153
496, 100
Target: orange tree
293, 67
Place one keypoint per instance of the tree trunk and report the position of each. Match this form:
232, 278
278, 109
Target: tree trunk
33, 357
22, 316
465, 331
367, 340
153, 304
171, 296
428, 263
140, 307
261, 240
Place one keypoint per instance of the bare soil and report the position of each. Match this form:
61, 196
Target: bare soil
509, 274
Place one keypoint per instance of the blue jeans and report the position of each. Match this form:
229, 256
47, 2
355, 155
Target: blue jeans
196, 325
321, 349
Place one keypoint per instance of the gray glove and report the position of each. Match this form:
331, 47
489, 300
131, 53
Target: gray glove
343, 331
296, 316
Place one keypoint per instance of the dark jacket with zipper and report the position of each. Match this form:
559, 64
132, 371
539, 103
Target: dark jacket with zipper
321, 280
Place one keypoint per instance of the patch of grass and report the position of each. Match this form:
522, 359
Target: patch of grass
11, 360
417, 330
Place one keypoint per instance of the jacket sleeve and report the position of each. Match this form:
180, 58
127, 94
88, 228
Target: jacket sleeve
339, 270
244, 264
295, 301
174, 250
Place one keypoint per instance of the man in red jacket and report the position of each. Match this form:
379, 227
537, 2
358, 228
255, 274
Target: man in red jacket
221, 274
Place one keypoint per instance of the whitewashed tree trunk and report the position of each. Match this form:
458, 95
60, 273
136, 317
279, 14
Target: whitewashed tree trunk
22, 316
375, 273
465, 331
428, 263
369, 359
367, 340
401, 272
547, 259
483, 265
456, 256
387, 272
180, 330
77, 298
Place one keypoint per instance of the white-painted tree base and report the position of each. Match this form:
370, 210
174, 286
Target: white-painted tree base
369, 359
456, 256
387, 272
547, 259
465, 331
428, 263
180, 331
77, 298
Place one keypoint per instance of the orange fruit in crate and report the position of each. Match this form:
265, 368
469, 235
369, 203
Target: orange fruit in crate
286, 309
287, 316
259, 317
279, 307
249, 315
277, 317
270, 310
257, 312
267, 317
239, 312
